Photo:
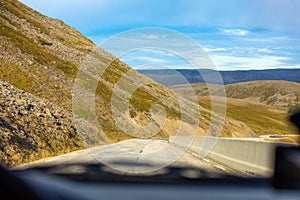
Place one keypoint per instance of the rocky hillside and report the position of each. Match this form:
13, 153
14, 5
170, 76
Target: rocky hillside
32, 128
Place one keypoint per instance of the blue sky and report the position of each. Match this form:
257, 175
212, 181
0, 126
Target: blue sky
236, 34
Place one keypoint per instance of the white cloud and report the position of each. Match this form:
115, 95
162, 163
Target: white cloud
267, 39
214, 49
224, 62
238, 32
264, 50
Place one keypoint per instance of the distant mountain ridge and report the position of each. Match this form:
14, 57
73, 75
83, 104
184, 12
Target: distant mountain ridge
169, 77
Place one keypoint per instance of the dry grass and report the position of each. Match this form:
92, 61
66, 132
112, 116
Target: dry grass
262, 119
283, 95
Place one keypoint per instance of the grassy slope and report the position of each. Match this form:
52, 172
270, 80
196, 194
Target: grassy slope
256, 104
262, 119
282, 95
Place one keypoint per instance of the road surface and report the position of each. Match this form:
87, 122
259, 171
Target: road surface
136, 156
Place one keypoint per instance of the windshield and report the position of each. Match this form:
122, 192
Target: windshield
138, 87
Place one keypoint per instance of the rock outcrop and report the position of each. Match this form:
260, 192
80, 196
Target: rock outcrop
32, 128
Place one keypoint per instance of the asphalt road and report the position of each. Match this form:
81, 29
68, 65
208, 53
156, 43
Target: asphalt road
138, 156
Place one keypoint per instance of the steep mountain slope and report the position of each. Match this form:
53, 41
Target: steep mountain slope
42, 56
39, 54
282, 95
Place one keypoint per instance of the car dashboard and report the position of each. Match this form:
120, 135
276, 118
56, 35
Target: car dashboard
59, 182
